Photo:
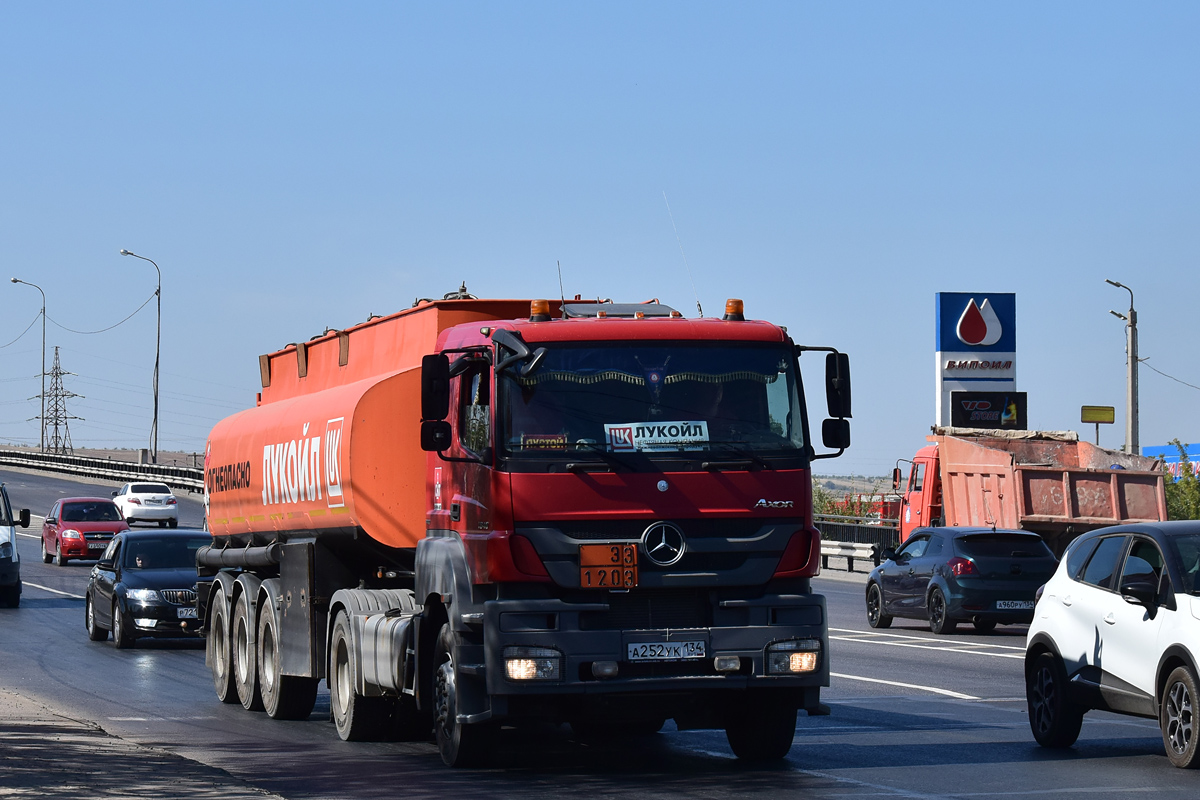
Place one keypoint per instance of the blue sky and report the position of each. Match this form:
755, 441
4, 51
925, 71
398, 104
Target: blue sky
297, 166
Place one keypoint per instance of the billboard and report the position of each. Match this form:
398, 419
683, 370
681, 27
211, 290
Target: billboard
998, 410
976, 346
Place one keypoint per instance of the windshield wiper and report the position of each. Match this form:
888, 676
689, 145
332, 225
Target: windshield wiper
748, 459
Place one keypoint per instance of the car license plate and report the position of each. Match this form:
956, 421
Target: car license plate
97, 545
665, 651
608, 566
1021, 604
187, 613
154, 502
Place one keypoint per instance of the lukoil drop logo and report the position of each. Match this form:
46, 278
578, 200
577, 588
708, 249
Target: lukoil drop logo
979, 325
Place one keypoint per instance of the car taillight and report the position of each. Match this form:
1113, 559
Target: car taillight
172, 501
962, 566
135, 501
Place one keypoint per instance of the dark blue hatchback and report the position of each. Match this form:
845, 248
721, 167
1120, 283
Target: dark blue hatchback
949, 575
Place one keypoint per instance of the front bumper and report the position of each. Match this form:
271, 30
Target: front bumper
742, 628
79, 548
159, 618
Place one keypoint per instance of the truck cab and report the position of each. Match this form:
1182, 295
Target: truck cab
921, 499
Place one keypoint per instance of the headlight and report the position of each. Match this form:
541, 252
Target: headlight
142, 595
72, 535
6, 550
532, 663
793, 656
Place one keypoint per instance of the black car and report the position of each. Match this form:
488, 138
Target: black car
951, 575
145, 585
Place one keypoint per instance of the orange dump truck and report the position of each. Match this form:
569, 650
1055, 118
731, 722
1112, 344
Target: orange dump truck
477, 512
1048, 482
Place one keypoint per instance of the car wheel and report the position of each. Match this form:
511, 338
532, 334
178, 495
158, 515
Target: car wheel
122, 636
761, 729
59, 558
1177, 718
984, 625
357, 718
876, 618
47, 557
218, 647
939, 620
172, 523
1053, 718
460, 745
245, 660
283, 696
94, 631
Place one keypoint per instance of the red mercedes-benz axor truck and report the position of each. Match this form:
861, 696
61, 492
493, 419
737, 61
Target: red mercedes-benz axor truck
477, 512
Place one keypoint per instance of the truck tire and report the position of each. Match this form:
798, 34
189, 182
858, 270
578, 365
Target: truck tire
357, 718
245, 660
460, 745
1053, 718
876, 617
939, 615
122, 636
11, 596
219, 650
761, 729
94, 631
283, 696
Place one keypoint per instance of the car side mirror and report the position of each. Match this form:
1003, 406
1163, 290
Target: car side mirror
23, 518
1140, 593
51, 520
436, 435
114, 494
835, 434
887, 554
896, 479
105, 563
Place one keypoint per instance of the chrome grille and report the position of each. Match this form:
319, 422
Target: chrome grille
179, 597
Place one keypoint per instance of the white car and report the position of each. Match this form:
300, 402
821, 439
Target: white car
147, 502
1118, 628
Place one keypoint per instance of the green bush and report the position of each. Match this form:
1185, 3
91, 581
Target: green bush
1183, 492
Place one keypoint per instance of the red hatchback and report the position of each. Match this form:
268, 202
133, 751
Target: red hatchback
80, 527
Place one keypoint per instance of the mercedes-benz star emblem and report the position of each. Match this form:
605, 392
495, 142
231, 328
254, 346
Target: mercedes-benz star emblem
662, 486
663, 543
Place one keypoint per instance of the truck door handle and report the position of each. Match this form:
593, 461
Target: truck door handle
1110, 619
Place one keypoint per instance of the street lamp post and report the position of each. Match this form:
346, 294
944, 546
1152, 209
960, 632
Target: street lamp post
42, 418
157, 345
1131, 372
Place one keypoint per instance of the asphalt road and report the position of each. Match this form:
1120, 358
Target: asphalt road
913, 715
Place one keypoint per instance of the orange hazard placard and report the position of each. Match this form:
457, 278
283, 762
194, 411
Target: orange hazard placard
608, 566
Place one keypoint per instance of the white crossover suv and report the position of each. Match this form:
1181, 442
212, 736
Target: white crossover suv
147, 502
1118, 628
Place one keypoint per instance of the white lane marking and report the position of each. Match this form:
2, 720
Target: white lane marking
889, 635
55, 591
942, 649
934, 689
158, 719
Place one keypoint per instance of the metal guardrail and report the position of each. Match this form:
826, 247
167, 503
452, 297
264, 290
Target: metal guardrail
849, 551
190, 478
885, 533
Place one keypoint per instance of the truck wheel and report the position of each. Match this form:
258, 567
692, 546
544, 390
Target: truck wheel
245, 666
11, 596
939, 621
218, 649
122, 636
283, 696
1177, 717
876, 618
94, 631
761, 729
357, 718
460, 745
1054, 719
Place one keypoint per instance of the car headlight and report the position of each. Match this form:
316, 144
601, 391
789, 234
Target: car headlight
793, 656
532, 664
72, 535
142, 595
6, 550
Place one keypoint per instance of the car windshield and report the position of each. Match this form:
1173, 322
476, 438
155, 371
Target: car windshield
1187, 553
99, 511
149, 488
174, 552
1003, 545
669, 398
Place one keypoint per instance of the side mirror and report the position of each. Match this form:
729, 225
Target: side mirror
51, 521
114, 494
896, 476
888, 554
105, 563
436, 435
1140, 593
23, 518
435, 388
835, 434
837, 384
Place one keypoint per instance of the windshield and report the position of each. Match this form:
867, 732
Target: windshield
1187, 553
174, 552
670, 398
98, 511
